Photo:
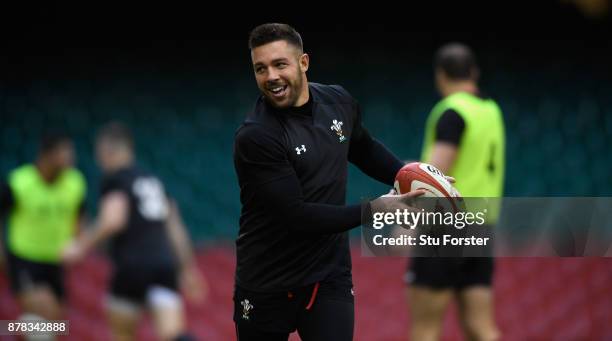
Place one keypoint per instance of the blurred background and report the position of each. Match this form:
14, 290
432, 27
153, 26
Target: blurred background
184, 86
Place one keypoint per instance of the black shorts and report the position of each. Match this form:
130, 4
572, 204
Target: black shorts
24, 274
133, 282
320, 311
454, 273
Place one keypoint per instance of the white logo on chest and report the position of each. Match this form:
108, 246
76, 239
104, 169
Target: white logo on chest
300, 150
246, 309
337, 127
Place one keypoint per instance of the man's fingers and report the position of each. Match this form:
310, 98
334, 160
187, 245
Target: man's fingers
450, 179
391, 193
414, 194
408, 198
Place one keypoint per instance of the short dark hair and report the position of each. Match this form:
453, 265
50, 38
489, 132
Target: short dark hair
116, 132
268, 33
457, 61
52, 139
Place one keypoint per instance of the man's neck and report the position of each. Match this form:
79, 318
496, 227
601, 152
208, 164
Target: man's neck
467, 86
47, 173
304, 95
123, 159
120, 165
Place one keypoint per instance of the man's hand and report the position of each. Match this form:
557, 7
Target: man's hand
73, 253
392, 201
193, 285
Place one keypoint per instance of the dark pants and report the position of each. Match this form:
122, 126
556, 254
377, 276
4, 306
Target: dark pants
322, 311
24, 274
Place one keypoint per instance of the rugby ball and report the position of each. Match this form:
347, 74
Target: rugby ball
422, 176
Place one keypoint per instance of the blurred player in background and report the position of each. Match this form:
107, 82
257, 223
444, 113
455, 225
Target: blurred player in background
44, 203
464, 138
149, 246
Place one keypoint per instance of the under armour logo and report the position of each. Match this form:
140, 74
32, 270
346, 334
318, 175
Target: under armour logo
300, 150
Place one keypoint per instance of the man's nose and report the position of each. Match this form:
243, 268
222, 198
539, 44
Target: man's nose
273, 75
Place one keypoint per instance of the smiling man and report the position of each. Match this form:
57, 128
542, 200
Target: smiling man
291, 156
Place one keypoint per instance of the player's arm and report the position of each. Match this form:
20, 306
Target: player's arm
284, 199
112, 218
178, 235
191, 279
443, 156
114, 211
449, 130
371, 156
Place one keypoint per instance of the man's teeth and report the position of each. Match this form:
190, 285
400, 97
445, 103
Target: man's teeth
277, 89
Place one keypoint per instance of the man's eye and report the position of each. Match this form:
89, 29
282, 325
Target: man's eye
281, 65
259, 70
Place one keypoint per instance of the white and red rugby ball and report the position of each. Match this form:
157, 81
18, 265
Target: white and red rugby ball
422, 176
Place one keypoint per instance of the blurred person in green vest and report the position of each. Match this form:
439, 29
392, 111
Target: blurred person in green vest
43, 203
465, 139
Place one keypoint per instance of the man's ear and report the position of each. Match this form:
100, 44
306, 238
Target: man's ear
476, 73
304, 62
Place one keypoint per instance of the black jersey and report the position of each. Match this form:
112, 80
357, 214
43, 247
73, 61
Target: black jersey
292, 167
144, 241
